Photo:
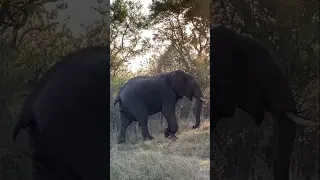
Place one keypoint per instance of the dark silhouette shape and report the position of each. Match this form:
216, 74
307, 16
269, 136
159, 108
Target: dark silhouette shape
66, 117
244, 75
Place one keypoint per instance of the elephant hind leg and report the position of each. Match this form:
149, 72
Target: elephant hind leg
145, 130
46, 166
125, 122
138, 112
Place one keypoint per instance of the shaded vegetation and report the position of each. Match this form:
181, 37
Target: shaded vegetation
32, 39
290, 29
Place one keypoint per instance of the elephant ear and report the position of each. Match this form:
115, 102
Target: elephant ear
178, 82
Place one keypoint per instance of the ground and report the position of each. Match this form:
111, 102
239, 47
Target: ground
187, 158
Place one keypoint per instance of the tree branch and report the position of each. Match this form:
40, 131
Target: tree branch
36, 29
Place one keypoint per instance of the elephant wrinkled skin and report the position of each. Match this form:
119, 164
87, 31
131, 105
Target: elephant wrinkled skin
143, 96
244, 75
66, 118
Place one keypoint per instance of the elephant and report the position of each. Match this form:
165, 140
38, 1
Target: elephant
66, 118
143, 96
244, 75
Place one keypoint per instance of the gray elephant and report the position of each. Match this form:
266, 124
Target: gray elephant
143, 96
244, 75
66, 118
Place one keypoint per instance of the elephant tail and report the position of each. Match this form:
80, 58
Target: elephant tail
117, 99
22, 123
115, 102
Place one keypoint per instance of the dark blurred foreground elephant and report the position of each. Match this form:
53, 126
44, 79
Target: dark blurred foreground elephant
244, 75
66, 117
143, 96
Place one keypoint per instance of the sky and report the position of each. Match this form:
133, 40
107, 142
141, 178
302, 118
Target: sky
135, 63
77, 16
83, 13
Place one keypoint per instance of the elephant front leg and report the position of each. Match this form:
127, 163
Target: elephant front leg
172, 126
145, 131
169, 112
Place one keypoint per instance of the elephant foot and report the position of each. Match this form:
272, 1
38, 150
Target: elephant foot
169, 135
149, 138
195, 126
121, 141
166, 133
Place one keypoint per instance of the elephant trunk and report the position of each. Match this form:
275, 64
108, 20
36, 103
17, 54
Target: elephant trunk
198, 112
285, 134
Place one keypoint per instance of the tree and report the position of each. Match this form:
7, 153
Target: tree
183, 29
126, 40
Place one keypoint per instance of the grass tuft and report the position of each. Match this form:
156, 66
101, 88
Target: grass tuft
187, 158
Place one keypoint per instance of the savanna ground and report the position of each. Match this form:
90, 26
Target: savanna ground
187, 158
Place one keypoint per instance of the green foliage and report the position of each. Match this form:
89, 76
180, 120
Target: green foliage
182, 35
191, 9
117, 82
120, 11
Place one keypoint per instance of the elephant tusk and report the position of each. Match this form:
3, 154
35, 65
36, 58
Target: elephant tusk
300, 120
205, 100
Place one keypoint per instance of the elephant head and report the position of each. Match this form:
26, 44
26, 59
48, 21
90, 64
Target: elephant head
185, 84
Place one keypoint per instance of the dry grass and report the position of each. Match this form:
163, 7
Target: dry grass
163, 159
